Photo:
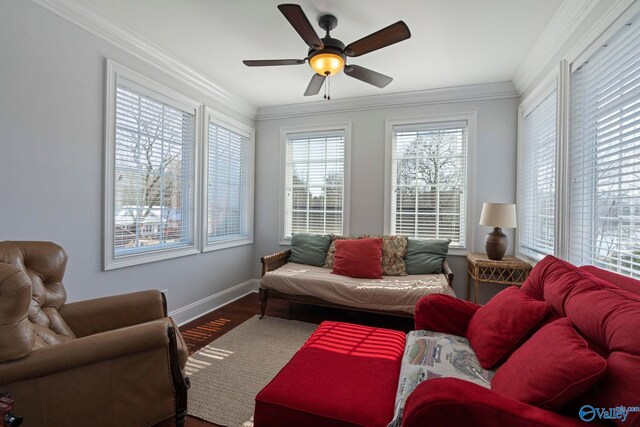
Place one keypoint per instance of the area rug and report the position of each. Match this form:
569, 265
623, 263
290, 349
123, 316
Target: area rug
227, 374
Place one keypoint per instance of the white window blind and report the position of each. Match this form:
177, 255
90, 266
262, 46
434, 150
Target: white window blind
605, 156
429, 181
537, 179
314, 183
154, 172
228, 184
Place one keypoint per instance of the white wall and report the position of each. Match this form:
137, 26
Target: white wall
494, 180
52, 78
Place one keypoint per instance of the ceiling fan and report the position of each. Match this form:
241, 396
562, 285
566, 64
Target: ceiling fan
328, 56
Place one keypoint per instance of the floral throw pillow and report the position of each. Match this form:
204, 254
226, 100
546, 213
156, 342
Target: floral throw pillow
394, 248
328, 262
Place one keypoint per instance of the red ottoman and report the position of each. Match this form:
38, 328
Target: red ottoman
344, 375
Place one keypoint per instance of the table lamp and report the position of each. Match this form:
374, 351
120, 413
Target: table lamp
498, 216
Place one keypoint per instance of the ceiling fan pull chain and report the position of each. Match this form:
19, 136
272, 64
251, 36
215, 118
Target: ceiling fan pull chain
329, 87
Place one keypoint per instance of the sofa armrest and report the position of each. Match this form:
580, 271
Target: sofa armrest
444, 313
86, 351
105, 314
446, 270
455, 402
274, 261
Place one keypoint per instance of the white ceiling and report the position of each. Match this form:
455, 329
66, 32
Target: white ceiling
453, 42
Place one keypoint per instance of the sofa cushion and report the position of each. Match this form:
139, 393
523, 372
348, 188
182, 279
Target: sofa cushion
309, 249
623, 282
360, 258
426, 256
394, 249
430, 355
551, 369
607, 316
497, 329
344, 375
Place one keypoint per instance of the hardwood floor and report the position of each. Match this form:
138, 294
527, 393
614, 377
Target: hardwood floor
215, 324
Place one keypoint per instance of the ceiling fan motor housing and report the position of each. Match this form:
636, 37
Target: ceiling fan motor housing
332, 47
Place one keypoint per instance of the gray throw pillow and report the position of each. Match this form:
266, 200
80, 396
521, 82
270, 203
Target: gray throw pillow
426, 256
310, 249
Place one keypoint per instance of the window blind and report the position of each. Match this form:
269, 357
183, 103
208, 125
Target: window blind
154, 143
227, 184
314, 183
605, 156
429, 181
537, 179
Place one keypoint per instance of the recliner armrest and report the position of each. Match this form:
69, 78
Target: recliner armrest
108, 313
455, 402
88, 350
444, 313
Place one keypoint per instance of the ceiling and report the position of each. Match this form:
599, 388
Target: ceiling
453, 42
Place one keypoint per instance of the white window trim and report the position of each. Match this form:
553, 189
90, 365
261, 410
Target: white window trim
556, 80
113, 71
223, 120
470, 117
346, 128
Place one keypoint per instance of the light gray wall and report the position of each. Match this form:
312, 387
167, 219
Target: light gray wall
52, 78
494, 180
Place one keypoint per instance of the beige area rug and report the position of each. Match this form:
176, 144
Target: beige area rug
227, 374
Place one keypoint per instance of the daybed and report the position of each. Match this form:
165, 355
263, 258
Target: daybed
307, 284
564, 347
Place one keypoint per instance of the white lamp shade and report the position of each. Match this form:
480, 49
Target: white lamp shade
498, 215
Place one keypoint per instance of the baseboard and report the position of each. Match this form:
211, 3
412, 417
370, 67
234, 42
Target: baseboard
201, 307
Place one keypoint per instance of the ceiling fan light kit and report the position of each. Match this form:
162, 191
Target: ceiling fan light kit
328, 56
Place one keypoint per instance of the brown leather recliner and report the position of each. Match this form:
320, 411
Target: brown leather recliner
113, 361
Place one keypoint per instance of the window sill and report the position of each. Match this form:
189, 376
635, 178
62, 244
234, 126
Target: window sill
226, 244
145, 258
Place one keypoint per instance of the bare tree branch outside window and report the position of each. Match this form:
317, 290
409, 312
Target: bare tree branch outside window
152, 179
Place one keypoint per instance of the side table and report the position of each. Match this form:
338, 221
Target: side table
508, 271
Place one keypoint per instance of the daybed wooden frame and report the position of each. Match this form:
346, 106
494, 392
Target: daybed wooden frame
277, 260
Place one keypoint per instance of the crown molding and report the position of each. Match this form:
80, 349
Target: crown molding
563, 24
96, 22
402, 99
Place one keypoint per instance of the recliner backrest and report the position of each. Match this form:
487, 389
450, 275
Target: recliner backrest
31, 293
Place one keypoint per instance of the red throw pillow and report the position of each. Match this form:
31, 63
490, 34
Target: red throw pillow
358, 258
497, 329
551, 369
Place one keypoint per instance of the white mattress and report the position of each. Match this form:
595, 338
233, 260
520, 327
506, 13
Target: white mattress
391, 293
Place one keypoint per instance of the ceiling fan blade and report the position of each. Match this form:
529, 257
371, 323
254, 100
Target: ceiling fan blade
367, 75
296, 17
394, 33
315, 85
268, 62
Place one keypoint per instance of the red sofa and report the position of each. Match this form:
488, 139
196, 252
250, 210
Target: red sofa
347, 375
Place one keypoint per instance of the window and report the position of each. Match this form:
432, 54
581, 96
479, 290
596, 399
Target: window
427, 174
537, 178
150, 195
229, 194
604, 155
316, 181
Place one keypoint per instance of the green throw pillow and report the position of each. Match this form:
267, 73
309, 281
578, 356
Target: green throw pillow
309, 249
426, 256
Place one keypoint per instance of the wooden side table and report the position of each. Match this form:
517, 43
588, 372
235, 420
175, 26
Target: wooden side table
508, 271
